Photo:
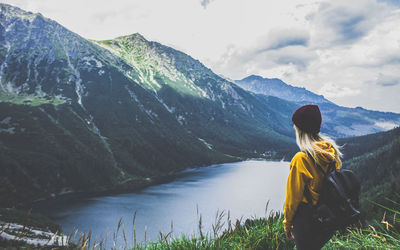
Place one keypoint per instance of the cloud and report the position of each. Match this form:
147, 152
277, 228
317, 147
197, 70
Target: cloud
387, 80
298, 56
345, 22
331, 90
239, 62
285, 49
277, 39
205, 3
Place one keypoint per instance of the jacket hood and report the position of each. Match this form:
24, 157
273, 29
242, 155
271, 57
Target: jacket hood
325, 152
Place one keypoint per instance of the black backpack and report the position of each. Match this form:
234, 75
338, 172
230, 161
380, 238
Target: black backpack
338, 205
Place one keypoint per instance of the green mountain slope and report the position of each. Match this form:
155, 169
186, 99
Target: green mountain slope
227, 118
375, 159
76, 117
73, 120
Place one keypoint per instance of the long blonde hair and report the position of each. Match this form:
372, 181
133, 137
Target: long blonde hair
305, 142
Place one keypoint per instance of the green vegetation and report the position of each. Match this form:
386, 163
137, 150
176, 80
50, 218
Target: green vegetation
151, 67
260, 233
30, 99
380, 229
375, 159
268, 233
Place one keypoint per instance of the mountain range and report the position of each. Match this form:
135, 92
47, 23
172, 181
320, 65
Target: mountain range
80, 115
338, 121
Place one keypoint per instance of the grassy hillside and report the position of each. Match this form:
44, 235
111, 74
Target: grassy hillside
375, 159
268, 234
260, 233
378, 170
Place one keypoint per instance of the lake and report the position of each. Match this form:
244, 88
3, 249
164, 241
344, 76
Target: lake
241, 189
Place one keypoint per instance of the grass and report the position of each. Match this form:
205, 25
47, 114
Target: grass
268, 233
30, 99
256, 233
262, 233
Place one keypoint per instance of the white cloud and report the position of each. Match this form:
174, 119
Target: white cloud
330, 90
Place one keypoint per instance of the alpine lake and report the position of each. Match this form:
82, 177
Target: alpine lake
226, 192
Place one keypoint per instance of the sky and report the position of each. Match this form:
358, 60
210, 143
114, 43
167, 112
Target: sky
348, 51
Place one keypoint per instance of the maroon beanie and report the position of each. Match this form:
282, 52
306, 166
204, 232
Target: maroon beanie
308, 118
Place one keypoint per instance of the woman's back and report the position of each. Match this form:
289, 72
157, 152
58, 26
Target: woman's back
305, 179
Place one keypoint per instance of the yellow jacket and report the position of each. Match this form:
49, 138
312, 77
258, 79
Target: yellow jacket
303, 173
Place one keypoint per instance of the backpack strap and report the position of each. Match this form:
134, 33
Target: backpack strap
332, 166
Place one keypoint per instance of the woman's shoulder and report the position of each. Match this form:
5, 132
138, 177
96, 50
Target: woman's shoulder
301, 161
299, 156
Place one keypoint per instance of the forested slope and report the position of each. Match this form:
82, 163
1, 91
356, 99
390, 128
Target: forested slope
376, 161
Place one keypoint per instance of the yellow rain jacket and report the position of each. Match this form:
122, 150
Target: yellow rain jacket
304, 174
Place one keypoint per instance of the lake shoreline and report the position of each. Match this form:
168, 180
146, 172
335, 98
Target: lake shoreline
238, 188
39, 205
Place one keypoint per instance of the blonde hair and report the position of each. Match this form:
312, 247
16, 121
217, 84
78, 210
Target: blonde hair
305, 142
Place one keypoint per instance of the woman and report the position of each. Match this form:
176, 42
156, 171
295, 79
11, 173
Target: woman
305, 180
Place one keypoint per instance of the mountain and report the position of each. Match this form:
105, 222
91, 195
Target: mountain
338, 121
225, 116
278, 88
375, 159
82, 116
79, 115
72, 119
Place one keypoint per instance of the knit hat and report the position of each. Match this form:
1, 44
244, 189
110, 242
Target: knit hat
308, 118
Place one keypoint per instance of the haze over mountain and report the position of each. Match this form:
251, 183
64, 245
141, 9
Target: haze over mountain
79, 115
278, 88
338, 121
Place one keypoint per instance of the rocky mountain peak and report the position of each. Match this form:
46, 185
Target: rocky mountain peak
11, 13
134, 36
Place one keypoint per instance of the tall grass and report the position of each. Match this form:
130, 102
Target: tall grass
383, 234
268, 233
265, 233
256, 233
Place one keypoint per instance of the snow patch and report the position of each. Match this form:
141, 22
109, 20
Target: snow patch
208, 145
170, 109
78, 81
229, 90
151, 113
132, 94
180, 119
89, 59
